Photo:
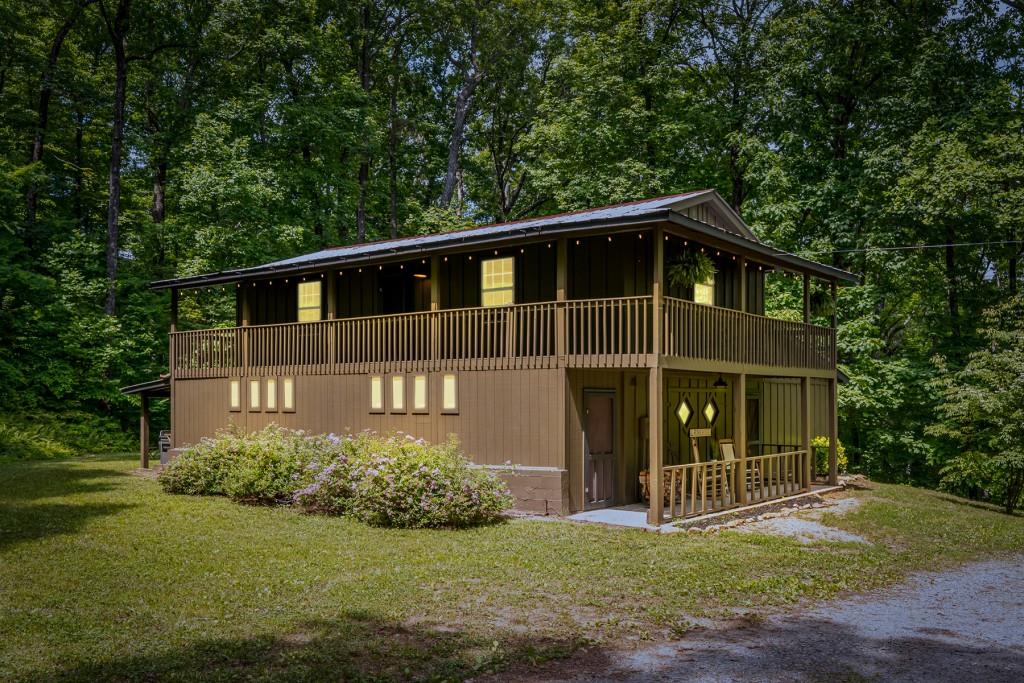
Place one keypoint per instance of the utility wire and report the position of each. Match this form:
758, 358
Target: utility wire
907, 247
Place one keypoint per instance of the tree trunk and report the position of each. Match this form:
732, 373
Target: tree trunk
157, 210
1012, 272
43, 111
118, 30
364, 81
463, 101
79, 175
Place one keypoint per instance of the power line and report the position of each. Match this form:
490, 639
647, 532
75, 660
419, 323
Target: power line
908, 247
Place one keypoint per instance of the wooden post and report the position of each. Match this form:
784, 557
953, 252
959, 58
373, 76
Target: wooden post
435, 306
656, 442
174, 310
435, 283
561, 294
739, 430
243, 296
805, 429
741, 263
332, 295
243, 293
655, 399
833, 434
144, 433
807, 298
835, 293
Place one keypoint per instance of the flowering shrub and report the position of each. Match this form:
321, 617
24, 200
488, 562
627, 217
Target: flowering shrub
393, 480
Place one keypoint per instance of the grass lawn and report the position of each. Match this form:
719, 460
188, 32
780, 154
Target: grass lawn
102, 576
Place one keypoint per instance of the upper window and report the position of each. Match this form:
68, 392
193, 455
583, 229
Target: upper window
704, 292
309, 301
498, 281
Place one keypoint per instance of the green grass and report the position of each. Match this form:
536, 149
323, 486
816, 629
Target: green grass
102, 576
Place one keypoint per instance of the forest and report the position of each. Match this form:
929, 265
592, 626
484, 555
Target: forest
142, 140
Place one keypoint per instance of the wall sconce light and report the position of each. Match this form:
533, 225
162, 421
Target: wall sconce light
719, 383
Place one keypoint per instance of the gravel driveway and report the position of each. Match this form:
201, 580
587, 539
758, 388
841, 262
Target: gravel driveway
960, 625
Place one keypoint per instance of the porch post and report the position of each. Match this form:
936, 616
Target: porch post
561, 294
656, 438
435, 283
332, 295
435, 306
739, 430
655, 401
174, 309
805, 429
144, 433
833, 434
741, 264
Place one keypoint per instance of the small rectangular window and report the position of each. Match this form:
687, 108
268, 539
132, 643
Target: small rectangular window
235, 394
254, 394
704, 292
271, 401
419, 394
376, 394
288, 394
397, 394
449, 394
309, 301
497, 281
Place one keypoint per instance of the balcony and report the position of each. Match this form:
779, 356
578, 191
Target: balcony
592, 333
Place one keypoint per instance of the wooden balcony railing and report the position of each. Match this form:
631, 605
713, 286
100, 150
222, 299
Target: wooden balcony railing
581, 333
704, 487
711, 333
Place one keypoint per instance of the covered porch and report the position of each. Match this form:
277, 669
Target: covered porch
156, 389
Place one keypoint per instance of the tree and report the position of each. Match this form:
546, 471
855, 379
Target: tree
981, 411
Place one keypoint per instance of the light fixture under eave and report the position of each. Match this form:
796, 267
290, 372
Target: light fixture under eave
719, 383
422, 276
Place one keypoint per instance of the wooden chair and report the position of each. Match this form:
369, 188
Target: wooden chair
728, 449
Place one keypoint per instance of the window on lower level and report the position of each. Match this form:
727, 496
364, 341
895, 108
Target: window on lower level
497, 281
271, 387
288, 394
419, 394
450, 394
376, 394
235, 394
309, 301
254, 394
397, 393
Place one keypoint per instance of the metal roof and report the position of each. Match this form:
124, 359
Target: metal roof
625, 214
157, 388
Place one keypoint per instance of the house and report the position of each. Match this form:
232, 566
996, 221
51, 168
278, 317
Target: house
555, 348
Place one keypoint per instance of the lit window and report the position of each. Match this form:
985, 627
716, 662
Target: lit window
377, 394
449, 394
419, 393
684, 412
235, 392
398, 394
711, 411
309, 301
271, 393
497, 281
704, 292
254, 394
288, 394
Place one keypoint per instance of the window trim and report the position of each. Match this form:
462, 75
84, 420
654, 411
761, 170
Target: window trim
377, 410
319, 301
711, 284
484, 290
255, 398
444, 409
232, 383
425, 409
402, 409
268, 395
288, 380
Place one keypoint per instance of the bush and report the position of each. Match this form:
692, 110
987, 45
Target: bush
394, 481
820, 446
30, 443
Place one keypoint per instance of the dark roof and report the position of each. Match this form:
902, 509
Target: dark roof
157, 388
732, 230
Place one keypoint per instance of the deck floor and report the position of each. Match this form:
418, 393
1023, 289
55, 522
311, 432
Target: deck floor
634, 515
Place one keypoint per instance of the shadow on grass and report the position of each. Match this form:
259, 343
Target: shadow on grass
354, 647
977, 504
32, 480
21, 523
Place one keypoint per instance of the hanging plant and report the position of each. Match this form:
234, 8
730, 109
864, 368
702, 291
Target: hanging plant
690, 268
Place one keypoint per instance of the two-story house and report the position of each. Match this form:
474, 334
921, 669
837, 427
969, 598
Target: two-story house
553, 347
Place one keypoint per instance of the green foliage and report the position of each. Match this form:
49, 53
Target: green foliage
21, 443
30, 436
981, 411
689, 268
820, 445
393, 481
